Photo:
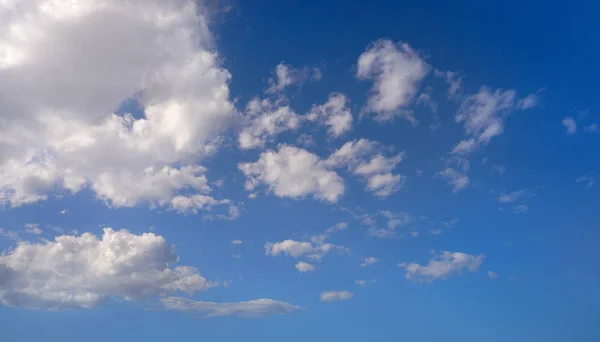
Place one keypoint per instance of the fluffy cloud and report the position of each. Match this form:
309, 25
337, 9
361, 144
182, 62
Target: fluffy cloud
293, 172
365, 159
266, 120
286, 75
303, 267
483, 114
442, 266
292, 248
334, 114
330, 296
252, 308
65, 67
396, 71
368, 261
458, 180
570, 125
83, 271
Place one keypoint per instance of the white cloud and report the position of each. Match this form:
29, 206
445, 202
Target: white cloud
483, 115
492, 275
33, 228
293, 172
570, 125
252, 308
363, 158
63, 212
337, 227
363, 282
454, 80
306, 140
236, 242
397, 71
292, 248
368, 261
83, 271
286, 75
426, 100
593, 128
511, 197
528, 101
330, 296
458, 180
266, 120
304, 267
64, 69
442, 266
520, 209
334, 113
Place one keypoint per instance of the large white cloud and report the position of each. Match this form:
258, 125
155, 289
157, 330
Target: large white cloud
293, 172
252, 308
65, 67
396, 71
442, 266
83, 271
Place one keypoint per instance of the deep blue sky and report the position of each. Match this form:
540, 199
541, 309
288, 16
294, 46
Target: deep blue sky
546, 258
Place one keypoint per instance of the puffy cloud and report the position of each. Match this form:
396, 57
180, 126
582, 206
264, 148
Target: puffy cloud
368, 261
293, 172
442, 266
330, 296
33, 228
63, 212
363, 158
292, 248
396, 71
252, 308
65, 67
83, 271
304, 267
266, 120
236, 242
334, 113
483, 114
458, 180
286, 75
570, 125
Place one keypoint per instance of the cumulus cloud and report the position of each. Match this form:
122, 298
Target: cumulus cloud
458, 180
69, 66
368, 261
303, 267
252, 308
334, 114
397, 71
442, 266
483, 115
330, 296
266, 119
293, 172
286, 75
570, 125
364, 158
84, 271
316, 249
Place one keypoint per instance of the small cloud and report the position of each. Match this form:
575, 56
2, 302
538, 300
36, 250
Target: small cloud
368, 261
331, 296
419, 172
499, 169
236, 255
33, 228
589, 181
236, 242
363, 282
63, 212
306, 140
492, 275
435, 231
593, 128
304, 267
511, 197
520, 209
570, 125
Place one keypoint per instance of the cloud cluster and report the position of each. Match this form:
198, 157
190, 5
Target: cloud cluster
65, 69
442, 266
84, 271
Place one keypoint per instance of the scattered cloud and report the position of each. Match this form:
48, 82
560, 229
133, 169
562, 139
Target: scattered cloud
84, 271
425, 99
529, 101
492, 275
442, 266
511, 196
266, 119
306, 140
499, 169
330, 296
236, 242
303, 267
334, 114
252, 308
520, 209
458, 180
363, 282
63, 212
337, 227
454, 80
33, 228
368, 261
286, 75
593, 128
570, 125
397, 71
589, 181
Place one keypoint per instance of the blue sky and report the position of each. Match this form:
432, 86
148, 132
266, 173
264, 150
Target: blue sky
315, 170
